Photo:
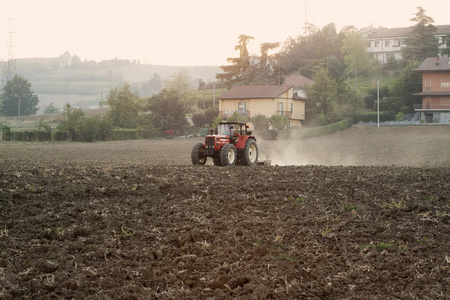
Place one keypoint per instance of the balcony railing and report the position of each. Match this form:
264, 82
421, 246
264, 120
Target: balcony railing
431, 106
229, 113
287, 114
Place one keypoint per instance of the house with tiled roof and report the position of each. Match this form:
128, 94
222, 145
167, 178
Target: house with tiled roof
388, 43
300, 83
267, 100
435, 107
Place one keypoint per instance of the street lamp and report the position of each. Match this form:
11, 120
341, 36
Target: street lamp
378, 103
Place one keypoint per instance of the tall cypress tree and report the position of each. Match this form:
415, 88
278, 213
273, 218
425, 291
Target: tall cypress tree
234, 73
421, 43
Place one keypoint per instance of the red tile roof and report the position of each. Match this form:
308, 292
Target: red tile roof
298, 80
255, 92
403, 31
435, 64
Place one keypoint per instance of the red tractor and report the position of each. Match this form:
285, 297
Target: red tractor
230, 144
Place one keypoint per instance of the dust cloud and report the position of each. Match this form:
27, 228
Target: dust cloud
305, 152
418, 146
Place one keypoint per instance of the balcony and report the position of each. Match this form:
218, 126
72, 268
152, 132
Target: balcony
287, 114
431, 107
229, 113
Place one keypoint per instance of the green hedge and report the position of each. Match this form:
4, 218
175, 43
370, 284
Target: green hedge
372, 117
56, 135
315, 131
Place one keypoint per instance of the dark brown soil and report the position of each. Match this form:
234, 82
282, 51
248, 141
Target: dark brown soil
134, 220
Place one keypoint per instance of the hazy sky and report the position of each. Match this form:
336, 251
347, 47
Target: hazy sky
184, 32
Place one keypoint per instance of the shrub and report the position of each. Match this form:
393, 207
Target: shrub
406, 109
43, 135
88, 128
279, 122
399, 116
6, 132
237, 117
260, 122
104, 129
210, 114
199, 119
58, 135
394, 107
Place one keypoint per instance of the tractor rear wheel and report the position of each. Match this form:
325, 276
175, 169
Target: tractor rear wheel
250, 153
228, 155
198, 156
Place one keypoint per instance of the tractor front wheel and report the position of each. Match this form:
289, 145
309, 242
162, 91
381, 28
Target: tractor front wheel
250, 153
198, 156
228, 155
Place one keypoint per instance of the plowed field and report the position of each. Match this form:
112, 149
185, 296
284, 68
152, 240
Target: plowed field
360, 214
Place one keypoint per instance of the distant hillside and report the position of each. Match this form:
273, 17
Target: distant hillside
66, 79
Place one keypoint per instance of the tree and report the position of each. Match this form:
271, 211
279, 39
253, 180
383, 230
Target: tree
303, 54
179, 82
210, 114
239, 65
124, 107
51, 109
406, 84
167, 111
72, 118
356, 57
322, 95
421, 42
267, 69
18, 89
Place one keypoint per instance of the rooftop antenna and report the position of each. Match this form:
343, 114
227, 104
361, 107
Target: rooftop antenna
9, 66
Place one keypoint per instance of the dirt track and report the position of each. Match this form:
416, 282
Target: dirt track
134, 220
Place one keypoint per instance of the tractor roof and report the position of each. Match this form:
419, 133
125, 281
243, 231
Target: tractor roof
226, 122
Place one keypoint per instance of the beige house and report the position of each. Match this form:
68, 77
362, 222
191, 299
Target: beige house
267, 100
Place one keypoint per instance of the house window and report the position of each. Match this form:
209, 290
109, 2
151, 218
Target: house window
280, 108
396, 43
387, 43
445, 83
427, 85
242, 106
445, 101
377, 44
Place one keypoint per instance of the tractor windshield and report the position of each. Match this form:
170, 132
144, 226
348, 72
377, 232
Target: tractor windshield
226, 129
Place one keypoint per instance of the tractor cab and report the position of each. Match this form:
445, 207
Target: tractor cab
230, 129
